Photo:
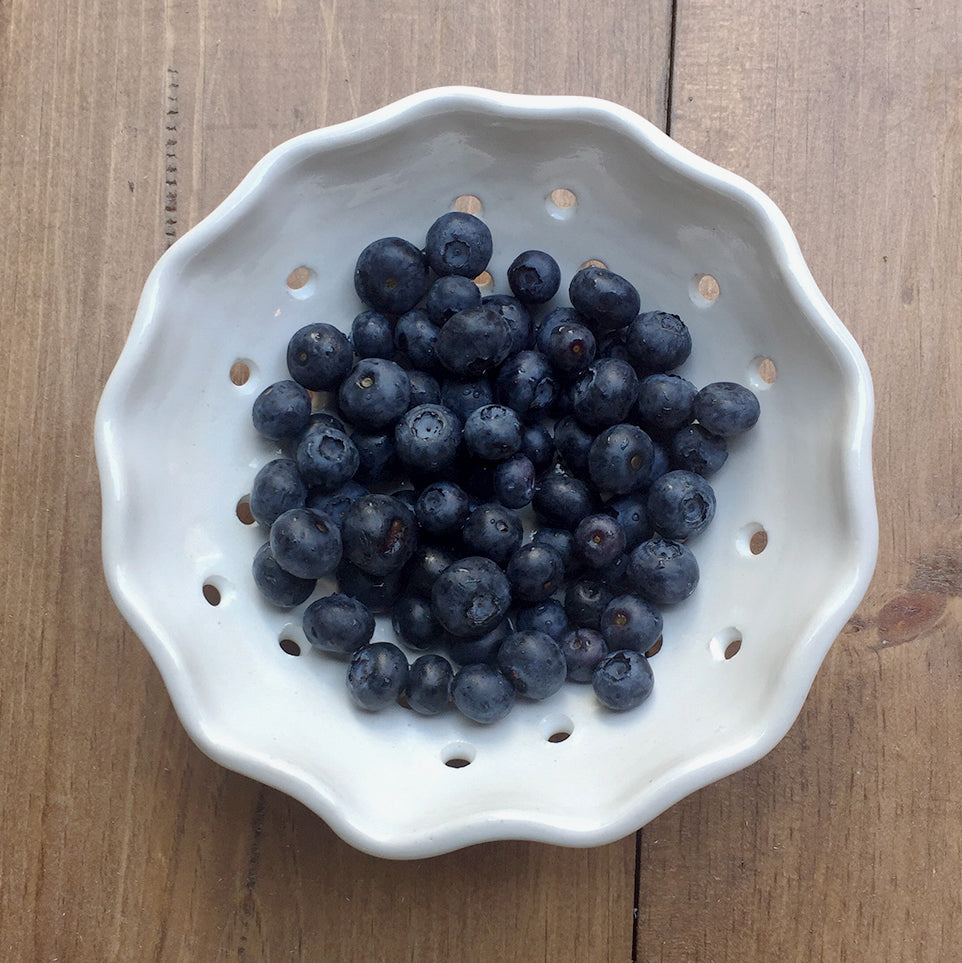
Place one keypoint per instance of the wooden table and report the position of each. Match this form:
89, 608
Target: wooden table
121, 125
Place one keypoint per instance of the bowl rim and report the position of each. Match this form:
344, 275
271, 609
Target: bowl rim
804, 660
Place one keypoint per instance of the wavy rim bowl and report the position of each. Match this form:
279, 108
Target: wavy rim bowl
461, 824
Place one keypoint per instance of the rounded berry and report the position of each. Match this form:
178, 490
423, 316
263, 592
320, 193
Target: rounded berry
391, 275
377, 675
338, 624
622, 680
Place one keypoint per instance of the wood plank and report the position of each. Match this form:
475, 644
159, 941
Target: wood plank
844, 843
121, 125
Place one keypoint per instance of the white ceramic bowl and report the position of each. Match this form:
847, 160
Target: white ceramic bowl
176, 453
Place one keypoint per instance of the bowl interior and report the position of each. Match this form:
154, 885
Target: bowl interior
732, 654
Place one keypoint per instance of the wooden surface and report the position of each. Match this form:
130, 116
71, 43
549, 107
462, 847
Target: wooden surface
121, 125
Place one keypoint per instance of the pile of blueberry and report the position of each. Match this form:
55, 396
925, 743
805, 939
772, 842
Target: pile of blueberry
455, 419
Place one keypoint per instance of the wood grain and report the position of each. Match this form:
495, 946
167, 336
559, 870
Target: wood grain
844, 843
121, 124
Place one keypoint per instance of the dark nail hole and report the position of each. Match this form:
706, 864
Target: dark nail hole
211, 593
290, 646
457, 762
758, 542
240, 373
467, 204
244, 510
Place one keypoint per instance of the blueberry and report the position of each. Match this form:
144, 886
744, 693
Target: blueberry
612, 345
473, 342
665, 403
475, 475
482, 693
548, 617
425, 389
605, 393
726, 409
533, 664
377, 675
681, 505
585, 600
458, 243
427, 437
451, 294
492, 432
414, 622
338, 624
599, 540
630, 512
442, 509
582, 649
463, 397
622, 680
375, 394
391, 275
563, 542
415, 338
659, 463
493, 531
377, 457
535, 572
407, 497
620, 459
573, 442
693, 448
428, 689
516, 316
379, 534
658, 342
326, 457
550, 321
424, 567
534, 277
526, 384
464, 651
562, 501
306, 543
278, 586
537, 445
629, 622
663, 571
514, 481
326, 419
616, 575
277, 487
378, 593
570, 348
605, 298
319, 356
372, 335
335, 504
471, 597
281, 411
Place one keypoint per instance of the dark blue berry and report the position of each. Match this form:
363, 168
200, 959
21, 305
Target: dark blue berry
379, 534
616, 575
335, 504
377, 457
582, 649
516, 316
605, 298
726, 409
471, 597
605, 393
374, 394
658, 342
693, 448
425, 389
277, 585
663, 571
424, 567
428, 689
473, 342
585, 600
629, 622
372, 335
326, 419
535, 572
680, 505
538, 445
326, 457
277, 487
391, 275
620, 459
463, 397
306, 543
427, 437
377, 675
573, 442
338, 624
415, 338
482, 693
493, 531
414, 622
492, 432
665, 403
281, 411
451, 294
570, 348
533, 663
514, 481
562, 501
442, 509
526, 384
622, 680
319, 356
534, 277
548, 617
563, 542
629, 511
599, 540
458, 243
378, 593
464, 651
